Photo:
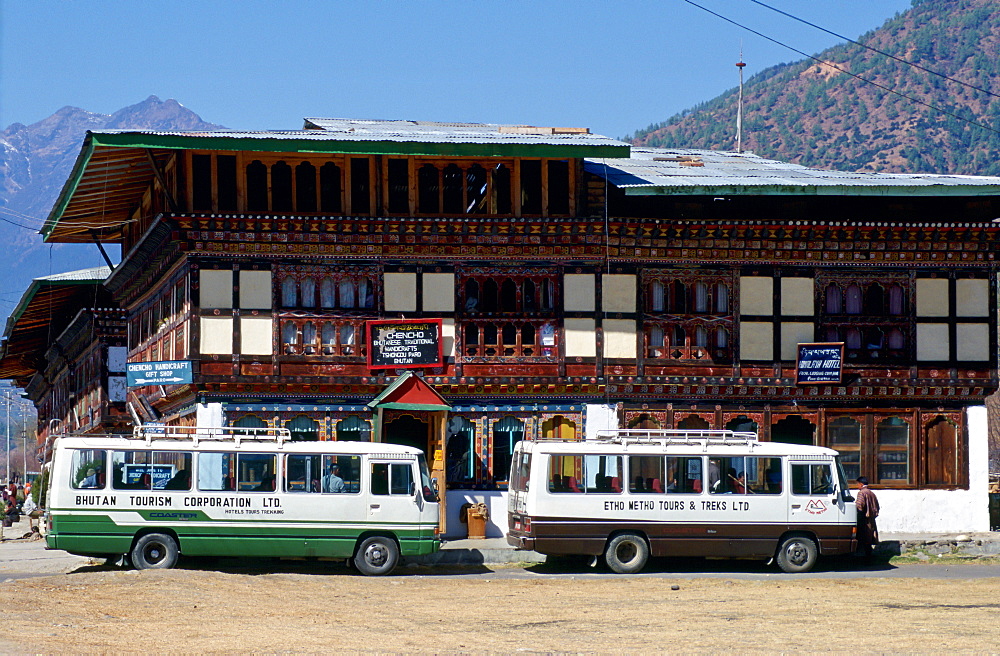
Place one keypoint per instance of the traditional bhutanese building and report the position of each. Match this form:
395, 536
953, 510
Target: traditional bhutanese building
64, 344
572, 283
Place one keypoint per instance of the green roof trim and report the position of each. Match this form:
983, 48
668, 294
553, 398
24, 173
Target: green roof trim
82, 160
413, 406
354, 147
35, 287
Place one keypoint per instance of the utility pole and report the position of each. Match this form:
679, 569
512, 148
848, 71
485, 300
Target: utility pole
739, 106
7, 396
24, 447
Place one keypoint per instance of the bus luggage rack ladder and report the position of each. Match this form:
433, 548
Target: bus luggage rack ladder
659, 436
235, 434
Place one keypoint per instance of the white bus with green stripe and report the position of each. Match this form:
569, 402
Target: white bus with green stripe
171, 491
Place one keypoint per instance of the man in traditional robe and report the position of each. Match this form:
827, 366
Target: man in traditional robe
867, 505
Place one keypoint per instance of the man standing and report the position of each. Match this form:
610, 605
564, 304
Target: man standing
332, 482
867, 505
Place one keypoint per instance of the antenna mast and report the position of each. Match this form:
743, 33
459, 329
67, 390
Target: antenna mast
739, 105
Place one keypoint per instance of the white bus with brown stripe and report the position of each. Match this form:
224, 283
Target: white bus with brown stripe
632, 494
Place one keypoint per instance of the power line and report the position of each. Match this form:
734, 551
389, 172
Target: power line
876, 50
845, 71
18, 225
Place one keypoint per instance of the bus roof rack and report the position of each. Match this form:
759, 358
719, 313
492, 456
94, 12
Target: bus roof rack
237, 434
680, 436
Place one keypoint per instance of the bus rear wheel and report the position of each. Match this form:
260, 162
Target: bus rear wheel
377, 556
154, 551
626, 553
797, 554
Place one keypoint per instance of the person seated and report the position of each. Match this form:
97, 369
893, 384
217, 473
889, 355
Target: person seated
90, 480
266, 484
144, 483
180, 481
332, 482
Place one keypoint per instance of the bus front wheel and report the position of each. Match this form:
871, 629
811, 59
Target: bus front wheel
797, 554
376, 556
154, 551
627, 553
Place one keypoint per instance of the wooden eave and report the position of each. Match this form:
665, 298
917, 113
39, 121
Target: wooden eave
104, 188
44, 311
112, 171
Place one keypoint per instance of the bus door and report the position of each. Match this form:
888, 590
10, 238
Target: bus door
814, 497
393, 491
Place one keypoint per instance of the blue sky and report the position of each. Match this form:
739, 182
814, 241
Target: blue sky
610, 66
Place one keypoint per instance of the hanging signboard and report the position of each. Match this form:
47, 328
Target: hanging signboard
173, 372
404, 344
819, 363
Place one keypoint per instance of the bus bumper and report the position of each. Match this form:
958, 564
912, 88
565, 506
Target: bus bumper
520, 542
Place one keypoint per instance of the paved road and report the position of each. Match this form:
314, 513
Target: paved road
24, 559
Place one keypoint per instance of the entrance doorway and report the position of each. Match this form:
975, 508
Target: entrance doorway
408, 431
793, 430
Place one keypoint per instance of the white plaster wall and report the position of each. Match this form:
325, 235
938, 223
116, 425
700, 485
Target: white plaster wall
598, 417
944, 511
495, 500
209, 415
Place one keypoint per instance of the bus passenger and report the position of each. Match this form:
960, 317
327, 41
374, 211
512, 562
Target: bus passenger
332, 482
180, 481
266, 484
90, 480
714, 475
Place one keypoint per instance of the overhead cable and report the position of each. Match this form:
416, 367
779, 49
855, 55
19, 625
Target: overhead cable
845, 71
876, 50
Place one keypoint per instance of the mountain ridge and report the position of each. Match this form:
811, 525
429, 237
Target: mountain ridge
35, 162
813, 114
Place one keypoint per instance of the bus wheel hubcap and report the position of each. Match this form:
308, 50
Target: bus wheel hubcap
375, 554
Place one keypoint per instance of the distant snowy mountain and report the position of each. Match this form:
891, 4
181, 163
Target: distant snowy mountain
35, 161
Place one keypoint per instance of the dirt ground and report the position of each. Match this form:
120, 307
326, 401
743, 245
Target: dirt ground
96, 609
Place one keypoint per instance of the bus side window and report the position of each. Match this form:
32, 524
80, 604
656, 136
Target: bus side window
603, 474
89, 466
380, 478
401, 479
256, 472
565, 474
811, 480
345, 468
646, 475
302, 473
216, 471
684, 475
764, 475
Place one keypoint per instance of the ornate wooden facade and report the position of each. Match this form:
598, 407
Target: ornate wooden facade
572, 296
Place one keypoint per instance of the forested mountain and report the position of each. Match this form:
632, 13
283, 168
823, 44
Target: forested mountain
816, 115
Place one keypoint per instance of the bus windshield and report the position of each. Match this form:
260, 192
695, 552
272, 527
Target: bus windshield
845, 490
426, 484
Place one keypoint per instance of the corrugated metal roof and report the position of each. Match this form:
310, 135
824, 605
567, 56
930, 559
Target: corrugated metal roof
358, 130
434, 132
651, 171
